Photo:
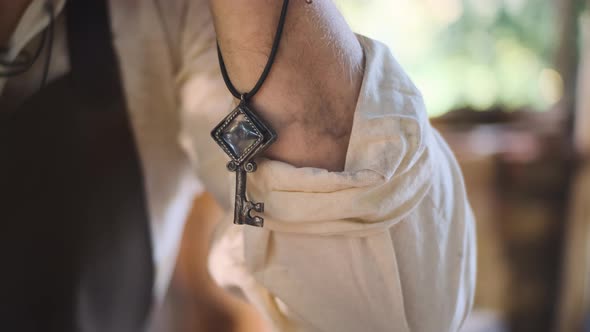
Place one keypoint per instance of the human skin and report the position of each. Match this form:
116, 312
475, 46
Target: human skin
10, 13
310, 96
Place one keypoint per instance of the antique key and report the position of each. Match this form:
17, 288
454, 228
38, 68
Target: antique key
243, 136
243, 207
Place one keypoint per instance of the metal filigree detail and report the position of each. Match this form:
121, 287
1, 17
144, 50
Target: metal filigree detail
243, 135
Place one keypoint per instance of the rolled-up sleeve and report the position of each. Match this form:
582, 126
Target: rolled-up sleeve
386, 245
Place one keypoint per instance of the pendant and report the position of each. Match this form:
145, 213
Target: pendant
243, 135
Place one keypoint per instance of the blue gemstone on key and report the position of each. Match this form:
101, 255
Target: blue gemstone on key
240, 135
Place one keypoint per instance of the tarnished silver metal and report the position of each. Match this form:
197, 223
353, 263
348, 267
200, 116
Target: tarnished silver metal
243, 135
244, 207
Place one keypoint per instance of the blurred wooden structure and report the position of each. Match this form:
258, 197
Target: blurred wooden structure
517, 168
574, 308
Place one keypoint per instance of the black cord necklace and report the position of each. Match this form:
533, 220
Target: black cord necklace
243, 134
267, 67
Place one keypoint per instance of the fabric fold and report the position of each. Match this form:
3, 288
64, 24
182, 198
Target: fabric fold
387, 162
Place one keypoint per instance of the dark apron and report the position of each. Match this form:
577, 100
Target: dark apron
75, 249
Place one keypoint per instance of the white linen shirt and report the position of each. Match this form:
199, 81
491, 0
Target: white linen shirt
386, 245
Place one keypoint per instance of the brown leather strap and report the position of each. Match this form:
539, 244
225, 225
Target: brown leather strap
94, 65
75, 245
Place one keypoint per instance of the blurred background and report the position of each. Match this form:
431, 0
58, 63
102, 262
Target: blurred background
507, 82
469, 53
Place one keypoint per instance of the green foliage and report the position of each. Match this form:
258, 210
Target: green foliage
473, 53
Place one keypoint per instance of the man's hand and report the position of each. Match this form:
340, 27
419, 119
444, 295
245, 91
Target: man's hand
310, 95
11, 12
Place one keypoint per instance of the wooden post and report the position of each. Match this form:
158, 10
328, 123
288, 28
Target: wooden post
566, 54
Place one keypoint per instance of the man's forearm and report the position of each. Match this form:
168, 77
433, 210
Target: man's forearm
11, 12
310, 95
